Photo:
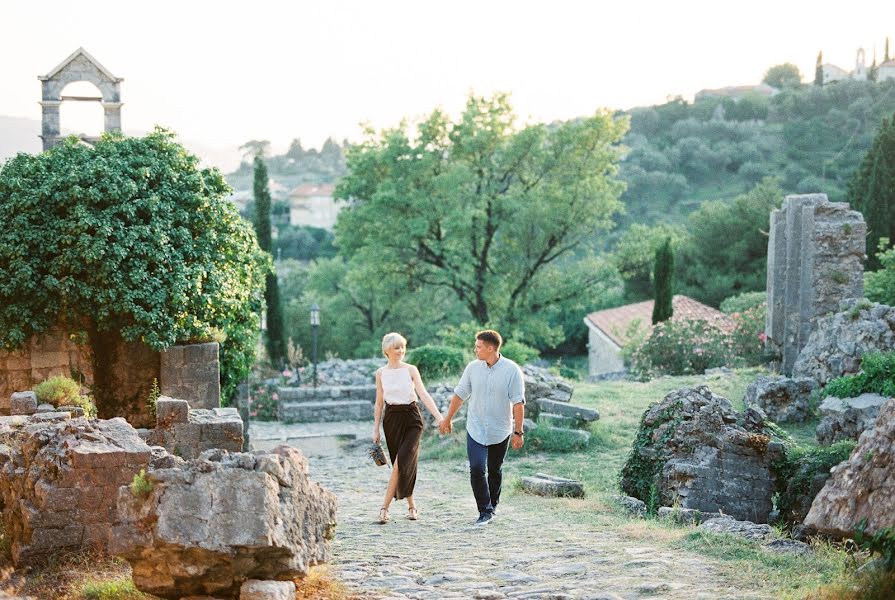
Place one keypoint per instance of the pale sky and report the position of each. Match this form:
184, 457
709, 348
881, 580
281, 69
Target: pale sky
225, 72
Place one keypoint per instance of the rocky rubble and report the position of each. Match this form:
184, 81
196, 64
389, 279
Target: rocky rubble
207, 525
692, 453
847, 418
782, 398
188, 432
862, 488
838, 342
59, 481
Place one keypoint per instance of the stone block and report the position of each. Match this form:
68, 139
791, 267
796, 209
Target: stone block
171, 410
23, 403
548, 485
254, 589
847, 418
569, 410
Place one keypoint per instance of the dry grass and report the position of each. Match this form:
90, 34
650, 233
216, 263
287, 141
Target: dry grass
320, 585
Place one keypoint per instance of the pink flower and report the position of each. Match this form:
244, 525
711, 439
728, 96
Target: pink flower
274, 396
254, 413
762, 336
287, 373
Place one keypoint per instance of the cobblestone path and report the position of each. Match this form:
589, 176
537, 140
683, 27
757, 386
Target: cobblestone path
535, 548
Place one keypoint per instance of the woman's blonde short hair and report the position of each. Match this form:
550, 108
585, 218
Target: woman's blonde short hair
392, 340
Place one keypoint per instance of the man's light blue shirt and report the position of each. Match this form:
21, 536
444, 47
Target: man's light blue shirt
491, 393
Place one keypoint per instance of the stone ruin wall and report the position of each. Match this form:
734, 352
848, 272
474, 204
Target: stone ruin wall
815, 259
191, 372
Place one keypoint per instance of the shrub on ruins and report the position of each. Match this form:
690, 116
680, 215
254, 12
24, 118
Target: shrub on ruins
436, 362
802, 473
129, 239
60, 390
744, 301
877, 376
680, 348
879, 285
748, 338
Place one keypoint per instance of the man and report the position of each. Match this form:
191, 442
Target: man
495, 389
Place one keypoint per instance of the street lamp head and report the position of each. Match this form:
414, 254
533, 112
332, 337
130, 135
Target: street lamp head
315, 315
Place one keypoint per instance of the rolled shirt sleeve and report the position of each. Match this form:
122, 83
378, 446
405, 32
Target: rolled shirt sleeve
464, 388
517, 387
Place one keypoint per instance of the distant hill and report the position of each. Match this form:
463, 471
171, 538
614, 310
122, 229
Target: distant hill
20, 134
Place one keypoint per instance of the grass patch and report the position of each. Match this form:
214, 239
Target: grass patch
319, 584
114, 589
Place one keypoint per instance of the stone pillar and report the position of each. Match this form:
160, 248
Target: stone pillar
815, 257
192, 373
50, 127
112, 112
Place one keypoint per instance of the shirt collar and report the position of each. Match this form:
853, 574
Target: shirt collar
496, 362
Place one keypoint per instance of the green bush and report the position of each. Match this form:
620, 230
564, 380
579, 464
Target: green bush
60, 390
743, 302
435, 361
116, 589
877, 376
519, 352
798, 470
748, 336
140, 485
681, 348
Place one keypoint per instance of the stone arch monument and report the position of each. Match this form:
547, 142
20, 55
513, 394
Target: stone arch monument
79, 66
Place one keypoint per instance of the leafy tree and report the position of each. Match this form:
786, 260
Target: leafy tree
783, 76
879, 285
498, 215
634, 255
276, 345
255, 148
726, 253
296, 151
663, 272
129, 240
819, 70
872, 189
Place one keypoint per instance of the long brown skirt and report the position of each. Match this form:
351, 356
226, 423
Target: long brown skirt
403, 426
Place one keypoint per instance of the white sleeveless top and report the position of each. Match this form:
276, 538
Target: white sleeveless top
397, 386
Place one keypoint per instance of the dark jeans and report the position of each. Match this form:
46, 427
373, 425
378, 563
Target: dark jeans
486, 489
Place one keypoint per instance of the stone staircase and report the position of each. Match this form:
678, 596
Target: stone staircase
326, 404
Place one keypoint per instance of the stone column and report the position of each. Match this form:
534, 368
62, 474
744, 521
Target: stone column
50, 127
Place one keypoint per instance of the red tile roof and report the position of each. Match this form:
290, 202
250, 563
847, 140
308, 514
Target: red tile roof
615, 322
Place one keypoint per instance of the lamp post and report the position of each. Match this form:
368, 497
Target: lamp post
315, 325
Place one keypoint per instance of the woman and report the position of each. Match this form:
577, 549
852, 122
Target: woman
397, 386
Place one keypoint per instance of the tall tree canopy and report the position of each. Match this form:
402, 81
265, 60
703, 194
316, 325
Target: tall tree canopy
500, 215
872, 190
128, 238
663, 274
783, 76
276, 342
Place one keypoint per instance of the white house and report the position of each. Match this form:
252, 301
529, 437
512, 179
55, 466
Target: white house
886, 71
832, 73
314, 205
609, 330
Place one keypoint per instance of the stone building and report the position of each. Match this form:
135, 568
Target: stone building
313, 205
609, 330
79, 66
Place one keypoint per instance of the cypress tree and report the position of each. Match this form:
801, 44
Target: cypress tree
872, 190
662, 274
276, 348
886, 57
819, 70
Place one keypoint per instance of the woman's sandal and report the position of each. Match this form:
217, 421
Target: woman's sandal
383, 515
413, 514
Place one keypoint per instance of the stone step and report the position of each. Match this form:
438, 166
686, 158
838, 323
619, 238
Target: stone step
319, 394
548, 485
568, 410
326, 411
553, 420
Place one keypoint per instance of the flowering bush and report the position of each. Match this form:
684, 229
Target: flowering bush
264, 402
681, 348
748, 336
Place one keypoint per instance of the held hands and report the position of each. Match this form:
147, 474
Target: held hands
446, 426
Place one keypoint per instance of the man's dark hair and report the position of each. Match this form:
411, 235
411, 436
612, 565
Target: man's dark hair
489, 336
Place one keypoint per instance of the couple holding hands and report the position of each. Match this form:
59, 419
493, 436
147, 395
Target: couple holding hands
495, 389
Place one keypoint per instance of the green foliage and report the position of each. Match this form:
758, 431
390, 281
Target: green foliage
641, 471
500, 216
63, 391
519, 352
800, 466
819, 70
152, 402
662, 277
117, 589
743, 302
748, 337
303, 243
681, 348
783, 76
879, 285
265, 402
275, 338
635, 253
553, 440
141, 485
436, 362
881, 542
716, 263
128, 236
877, 376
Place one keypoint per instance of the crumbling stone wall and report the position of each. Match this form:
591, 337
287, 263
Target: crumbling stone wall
815, 260
691, 452
59, 481
187, 432
192, 372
